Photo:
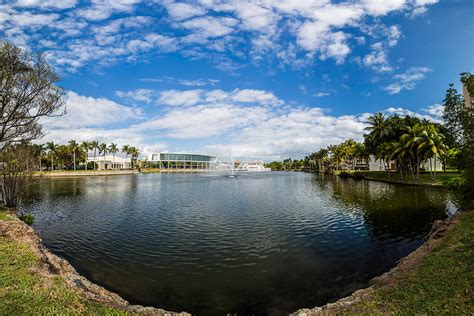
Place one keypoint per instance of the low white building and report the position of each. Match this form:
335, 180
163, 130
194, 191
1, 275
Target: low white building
253, 166
373, 164
109, 162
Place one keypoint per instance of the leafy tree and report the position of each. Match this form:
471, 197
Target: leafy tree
454, 116
16, 173
27, 93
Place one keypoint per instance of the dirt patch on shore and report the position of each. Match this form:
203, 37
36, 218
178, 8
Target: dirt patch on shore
49, 266
387, 280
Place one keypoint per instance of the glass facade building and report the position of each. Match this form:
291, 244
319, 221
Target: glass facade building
181, 161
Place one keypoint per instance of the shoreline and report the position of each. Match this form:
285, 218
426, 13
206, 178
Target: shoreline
17, 231
389, 279
418, 184
96, 173
50, 266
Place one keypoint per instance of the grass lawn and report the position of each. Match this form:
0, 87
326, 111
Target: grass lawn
442, 283
425, 177
25, 291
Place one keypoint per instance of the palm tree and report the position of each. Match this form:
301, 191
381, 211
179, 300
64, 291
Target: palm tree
94, 146
134, 153
113, 149
39, 151
379, 128
52, 147
103, 151
384, 152
73, 146
86, 146
126, 151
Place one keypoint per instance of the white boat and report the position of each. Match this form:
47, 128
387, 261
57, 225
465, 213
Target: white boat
253, 166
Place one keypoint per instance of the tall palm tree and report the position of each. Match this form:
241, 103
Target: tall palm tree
426, 142
52, 147
379, 128
73, 146
39, 151
94, 144
86, 146
134, 153
384, 153
113, 149
126, 151
103, 151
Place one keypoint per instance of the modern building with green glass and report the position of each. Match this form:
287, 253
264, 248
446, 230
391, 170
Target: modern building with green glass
181, 161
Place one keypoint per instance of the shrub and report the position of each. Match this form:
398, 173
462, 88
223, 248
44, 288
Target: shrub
27, 218
453, 183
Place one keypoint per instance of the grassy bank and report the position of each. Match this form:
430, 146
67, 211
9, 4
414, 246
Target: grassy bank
425, 177
23, 291
436, 279
25, 288
441, 283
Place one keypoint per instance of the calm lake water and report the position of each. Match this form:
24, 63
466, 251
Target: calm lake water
267, 243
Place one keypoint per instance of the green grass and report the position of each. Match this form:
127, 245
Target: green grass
4, 216
442, 283
425, 177
24, 292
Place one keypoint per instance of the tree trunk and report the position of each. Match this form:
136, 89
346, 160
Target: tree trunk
74, 160
52, 163
417, 167
86, 160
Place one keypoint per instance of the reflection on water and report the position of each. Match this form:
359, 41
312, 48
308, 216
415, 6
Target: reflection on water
266, 243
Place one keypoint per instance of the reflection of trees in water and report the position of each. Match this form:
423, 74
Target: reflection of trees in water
390, 211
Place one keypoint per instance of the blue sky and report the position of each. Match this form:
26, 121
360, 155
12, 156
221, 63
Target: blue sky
266, 79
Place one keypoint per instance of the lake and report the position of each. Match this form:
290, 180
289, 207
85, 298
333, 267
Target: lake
267, 243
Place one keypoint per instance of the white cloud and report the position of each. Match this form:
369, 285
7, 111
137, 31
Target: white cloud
211, 26
46, 4
407, 80
142, 95
82, 111
382, 7
321, 94
182, 11
394, 35
377, 59
193, 97
433, 116
435, 110
180, 98
102, 9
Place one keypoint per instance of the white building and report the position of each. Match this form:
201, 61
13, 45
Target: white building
182, 161
253, 166
109, 162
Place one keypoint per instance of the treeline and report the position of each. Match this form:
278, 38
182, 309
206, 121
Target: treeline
403, 144
73, 156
